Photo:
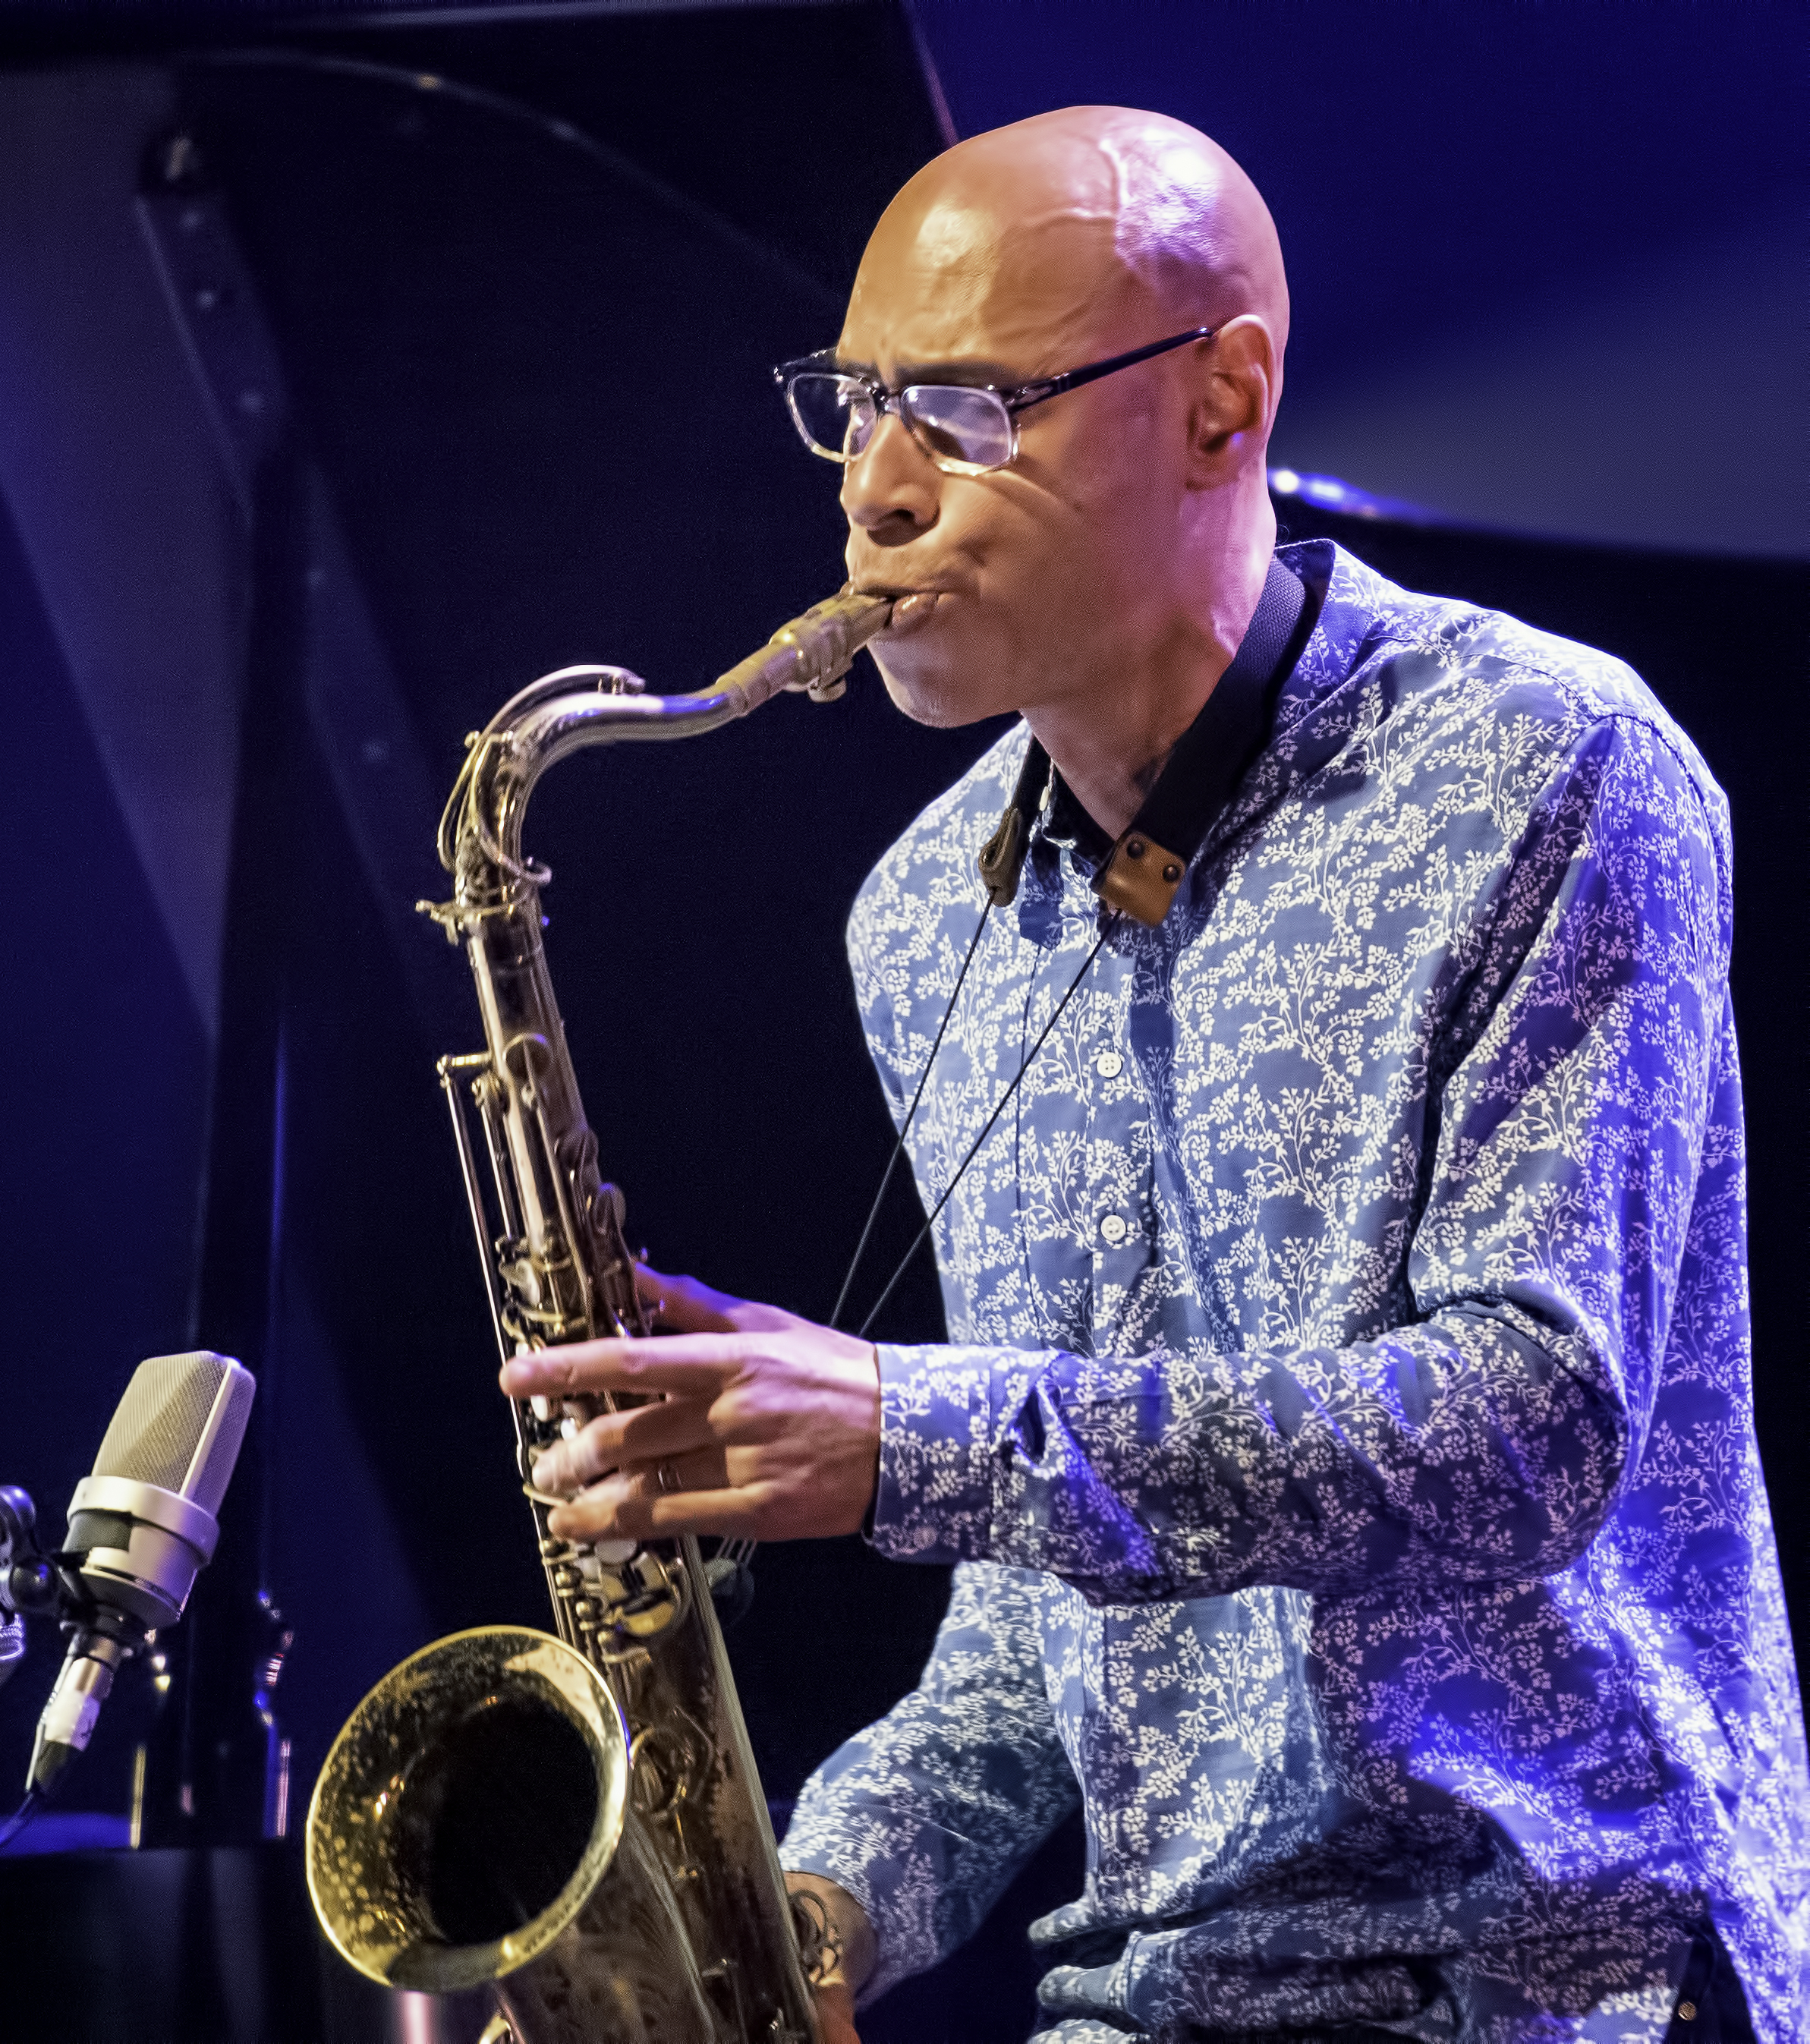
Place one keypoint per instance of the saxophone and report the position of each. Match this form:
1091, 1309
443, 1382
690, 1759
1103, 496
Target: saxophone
574, 1821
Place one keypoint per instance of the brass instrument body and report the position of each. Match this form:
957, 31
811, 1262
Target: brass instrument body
690, 1874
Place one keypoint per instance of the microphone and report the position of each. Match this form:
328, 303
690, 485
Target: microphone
142, 1526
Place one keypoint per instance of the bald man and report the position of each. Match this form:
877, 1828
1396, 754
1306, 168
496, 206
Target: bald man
1309, 1025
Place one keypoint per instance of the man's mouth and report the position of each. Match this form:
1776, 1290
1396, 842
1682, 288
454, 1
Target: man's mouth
911, 608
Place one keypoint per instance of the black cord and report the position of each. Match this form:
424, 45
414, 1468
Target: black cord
905, 1127
431, 84
21, 1817
924, 1232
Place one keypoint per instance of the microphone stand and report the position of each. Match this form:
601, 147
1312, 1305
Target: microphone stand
33, 1583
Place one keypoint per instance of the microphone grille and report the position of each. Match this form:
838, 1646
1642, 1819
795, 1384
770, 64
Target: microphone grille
180, 1426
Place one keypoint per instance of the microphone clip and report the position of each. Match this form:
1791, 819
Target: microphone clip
32, 1585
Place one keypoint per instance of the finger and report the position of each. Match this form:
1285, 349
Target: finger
616, 1510
700, 1469
690, 1306
687, 1304
645, 1434
746, 1501
698, 1364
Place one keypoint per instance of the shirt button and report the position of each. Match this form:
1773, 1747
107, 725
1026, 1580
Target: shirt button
1108, 1064
1114, 1228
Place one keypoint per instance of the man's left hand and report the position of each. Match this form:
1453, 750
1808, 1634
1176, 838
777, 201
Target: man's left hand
765, 1426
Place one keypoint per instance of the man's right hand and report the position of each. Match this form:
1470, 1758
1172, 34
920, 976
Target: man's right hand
835, 2014
835, 1991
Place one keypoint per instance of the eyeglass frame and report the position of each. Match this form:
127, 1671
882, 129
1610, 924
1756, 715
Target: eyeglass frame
1014, 397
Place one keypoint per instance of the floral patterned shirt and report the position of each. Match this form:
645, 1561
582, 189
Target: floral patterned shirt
1345, 1438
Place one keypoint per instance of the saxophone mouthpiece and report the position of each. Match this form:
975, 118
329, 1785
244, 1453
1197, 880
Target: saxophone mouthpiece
813, 652
853, 619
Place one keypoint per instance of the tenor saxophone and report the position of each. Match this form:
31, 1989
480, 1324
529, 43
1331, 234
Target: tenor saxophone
572, 1820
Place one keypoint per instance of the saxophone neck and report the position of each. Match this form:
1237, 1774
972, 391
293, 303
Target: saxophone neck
480, 834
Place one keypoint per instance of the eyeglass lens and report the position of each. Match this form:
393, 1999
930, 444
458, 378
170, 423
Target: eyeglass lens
955, 426
836, 414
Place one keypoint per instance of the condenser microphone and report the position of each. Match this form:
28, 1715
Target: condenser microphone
142, 1526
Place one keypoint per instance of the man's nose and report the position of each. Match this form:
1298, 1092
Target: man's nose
890, 491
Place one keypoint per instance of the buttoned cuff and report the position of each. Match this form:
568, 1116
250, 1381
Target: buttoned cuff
943, 1414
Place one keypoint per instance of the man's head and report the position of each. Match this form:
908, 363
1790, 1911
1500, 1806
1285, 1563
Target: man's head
1026, 252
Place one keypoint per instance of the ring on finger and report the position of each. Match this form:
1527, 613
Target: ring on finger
668, 1478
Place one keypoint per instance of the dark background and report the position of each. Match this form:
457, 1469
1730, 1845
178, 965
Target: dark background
528, 362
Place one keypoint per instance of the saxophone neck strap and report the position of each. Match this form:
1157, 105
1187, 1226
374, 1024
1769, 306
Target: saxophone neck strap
1144, 868
1002, 856
1209, 759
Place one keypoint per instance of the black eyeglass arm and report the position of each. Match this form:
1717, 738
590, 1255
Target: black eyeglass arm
1028, 394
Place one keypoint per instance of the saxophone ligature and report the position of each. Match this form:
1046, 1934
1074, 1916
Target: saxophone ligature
572, 1820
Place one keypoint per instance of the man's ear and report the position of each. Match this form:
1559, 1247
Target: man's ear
1238, 379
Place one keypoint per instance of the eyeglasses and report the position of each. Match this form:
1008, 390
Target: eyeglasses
965, 428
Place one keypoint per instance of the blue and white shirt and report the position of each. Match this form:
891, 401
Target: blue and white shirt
1345, 1437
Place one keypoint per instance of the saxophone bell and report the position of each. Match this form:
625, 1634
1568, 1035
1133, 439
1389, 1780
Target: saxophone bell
473, 1826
